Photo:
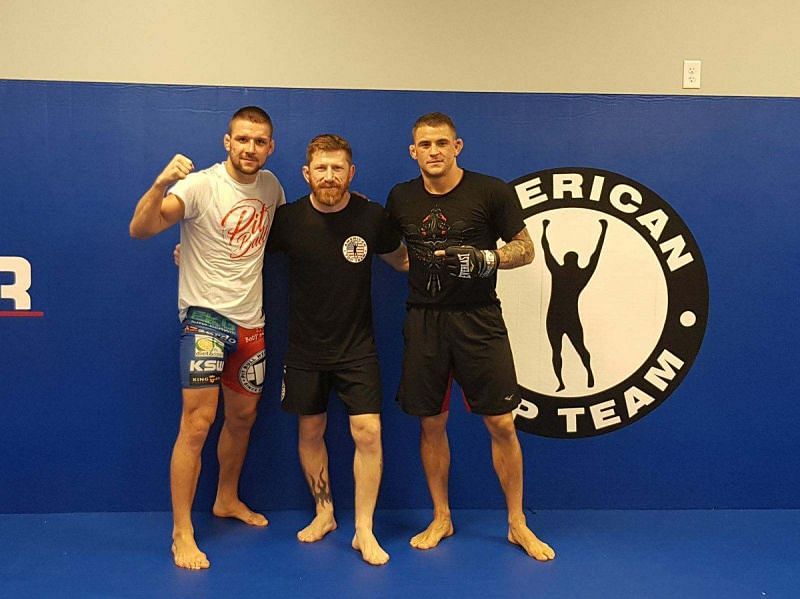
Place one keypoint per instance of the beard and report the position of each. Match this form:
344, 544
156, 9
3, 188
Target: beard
328, 194
246, 168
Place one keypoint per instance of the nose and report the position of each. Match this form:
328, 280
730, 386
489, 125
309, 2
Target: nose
329, 174
251, 146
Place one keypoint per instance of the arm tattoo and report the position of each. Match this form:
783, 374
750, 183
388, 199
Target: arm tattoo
320, 489
517, 252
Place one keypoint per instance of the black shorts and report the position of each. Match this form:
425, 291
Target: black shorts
470, 345
306, 392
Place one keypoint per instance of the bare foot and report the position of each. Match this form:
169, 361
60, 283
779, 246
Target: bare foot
436, 531
187, 554
321, 525
371, 552
521, 535
237, 509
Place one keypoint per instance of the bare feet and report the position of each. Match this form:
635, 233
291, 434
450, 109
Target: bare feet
371, 552
187, 554
436, 531
521, 535
237, 509
321, 525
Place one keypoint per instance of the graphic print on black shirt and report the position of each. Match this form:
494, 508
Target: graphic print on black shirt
435, 233
478, 211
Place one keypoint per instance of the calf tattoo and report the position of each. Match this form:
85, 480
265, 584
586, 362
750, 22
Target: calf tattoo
320, 489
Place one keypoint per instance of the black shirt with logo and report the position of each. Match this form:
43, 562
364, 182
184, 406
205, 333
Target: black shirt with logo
330, 273
478, 211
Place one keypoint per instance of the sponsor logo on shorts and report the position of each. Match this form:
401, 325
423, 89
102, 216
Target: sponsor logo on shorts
354, 249
255, 337
252, 371
207, 379
607, 323
208, 347
206, 365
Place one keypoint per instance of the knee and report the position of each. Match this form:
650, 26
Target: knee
241, 419
501, 428
367, 435
433, 428
194, 427
311, 430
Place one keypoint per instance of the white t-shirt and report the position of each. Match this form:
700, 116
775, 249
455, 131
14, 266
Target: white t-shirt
223, 234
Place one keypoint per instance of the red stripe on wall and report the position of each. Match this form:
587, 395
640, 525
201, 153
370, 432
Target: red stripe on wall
20, 314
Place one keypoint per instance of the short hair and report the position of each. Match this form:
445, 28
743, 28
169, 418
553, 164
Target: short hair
434, 119
328, 142
254, 114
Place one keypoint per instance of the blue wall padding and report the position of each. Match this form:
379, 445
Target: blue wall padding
89, 394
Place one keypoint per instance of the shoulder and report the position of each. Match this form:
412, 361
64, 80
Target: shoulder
484, 180
407, 186
491, 188
267, 177
294, 207
405, 192
361, 202
197, 182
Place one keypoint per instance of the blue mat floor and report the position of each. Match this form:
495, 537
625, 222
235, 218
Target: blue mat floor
609, 554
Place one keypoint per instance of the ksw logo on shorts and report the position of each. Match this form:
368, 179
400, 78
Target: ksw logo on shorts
607, 320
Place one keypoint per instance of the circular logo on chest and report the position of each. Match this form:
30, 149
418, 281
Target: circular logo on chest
354, 249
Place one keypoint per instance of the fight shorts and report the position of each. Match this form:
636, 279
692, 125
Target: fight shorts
469, 345
213, 349
306, 392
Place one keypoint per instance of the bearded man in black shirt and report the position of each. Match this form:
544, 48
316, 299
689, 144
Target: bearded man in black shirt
451, 219
330, 237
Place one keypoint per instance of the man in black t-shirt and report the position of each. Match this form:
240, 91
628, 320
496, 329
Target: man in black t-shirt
330, 237
451, 219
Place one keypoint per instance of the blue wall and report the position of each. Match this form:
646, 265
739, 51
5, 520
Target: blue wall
89, 396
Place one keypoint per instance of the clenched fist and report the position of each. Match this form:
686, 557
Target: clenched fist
177, 169
467, 262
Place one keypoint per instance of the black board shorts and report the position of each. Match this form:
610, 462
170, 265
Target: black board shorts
468, 344
306, 392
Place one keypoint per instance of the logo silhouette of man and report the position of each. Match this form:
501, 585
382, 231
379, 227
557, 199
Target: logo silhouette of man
563, 318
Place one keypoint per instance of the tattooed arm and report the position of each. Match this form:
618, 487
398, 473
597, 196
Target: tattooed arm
517, 252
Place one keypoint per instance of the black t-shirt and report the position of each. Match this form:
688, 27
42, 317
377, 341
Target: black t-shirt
478, 211
330, 259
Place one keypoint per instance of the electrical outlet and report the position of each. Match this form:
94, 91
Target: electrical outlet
691, 74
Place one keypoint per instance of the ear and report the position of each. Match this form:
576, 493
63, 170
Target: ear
271, 147
306, 173
352, 173
459, 145
226, 141
412, 150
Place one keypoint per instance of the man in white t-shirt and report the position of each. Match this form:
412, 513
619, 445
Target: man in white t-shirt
225, 213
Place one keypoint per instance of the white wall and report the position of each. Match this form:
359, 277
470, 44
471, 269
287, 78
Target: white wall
607, 46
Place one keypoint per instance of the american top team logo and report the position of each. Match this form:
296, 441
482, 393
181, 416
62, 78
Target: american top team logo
354, 249
607, 321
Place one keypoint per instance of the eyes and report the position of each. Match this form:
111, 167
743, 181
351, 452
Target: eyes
336, 168
261, 142
440, 143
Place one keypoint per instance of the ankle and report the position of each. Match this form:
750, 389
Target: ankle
325, 511
442, 515
180, 534
515, 521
